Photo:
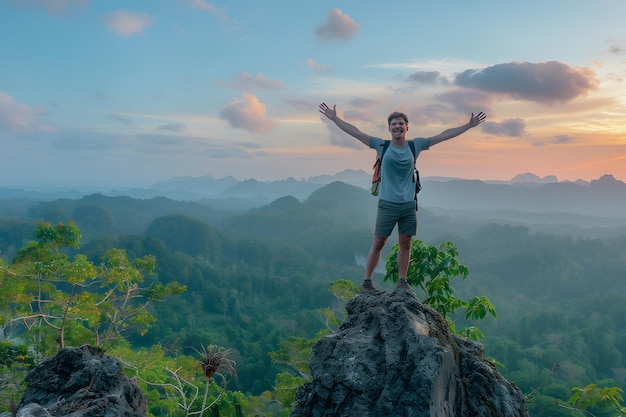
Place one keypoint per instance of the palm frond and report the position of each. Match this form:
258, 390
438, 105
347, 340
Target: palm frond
214, 360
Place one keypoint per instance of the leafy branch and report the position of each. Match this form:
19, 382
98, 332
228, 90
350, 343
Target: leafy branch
431, 269
60, 301
592, 396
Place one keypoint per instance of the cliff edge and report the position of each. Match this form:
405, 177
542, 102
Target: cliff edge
394, 356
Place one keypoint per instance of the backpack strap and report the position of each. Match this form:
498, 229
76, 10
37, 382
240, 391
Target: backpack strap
416, 173
379, 159
412, 146
385, 145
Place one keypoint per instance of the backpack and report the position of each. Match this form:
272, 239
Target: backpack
377, 164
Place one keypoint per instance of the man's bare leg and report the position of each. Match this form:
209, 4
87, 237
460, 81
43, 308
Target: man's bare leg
404, 256
374, 255
372, 260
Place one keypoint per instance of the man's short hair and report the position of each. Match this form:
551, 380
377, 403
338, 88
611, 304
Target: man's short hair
395, 115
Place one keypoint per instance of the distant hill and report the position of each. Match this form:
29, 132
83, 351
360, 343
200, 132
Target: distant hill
604, 197
533, 179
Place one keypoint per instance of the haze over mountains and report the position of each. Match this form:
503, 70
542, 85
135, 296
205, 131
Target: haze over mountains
546, 253
603, 197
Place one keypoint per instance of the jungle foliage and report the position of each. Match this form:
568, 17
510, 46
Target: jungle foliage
258, 282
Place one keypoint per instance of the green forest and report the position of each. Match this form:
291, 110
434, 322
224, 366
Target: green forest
250, 282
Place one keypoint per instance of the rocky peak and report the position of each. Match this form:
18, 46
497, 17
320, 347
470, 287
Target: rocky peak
81, 382
394, 356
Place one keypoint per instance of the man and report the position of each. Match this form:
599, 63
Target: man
396, 203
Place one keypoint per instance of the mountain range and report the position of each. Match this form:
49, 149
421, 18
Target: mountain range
604, 197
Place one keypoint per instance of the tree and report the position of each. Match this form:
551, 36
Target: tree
593, 397
58, 301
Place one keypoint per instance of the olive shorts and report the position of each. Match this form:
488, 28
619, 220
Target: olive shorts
390, 214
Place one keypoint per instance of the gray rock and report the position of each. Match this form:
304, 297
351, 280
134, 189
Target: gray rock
81, 382
395, 357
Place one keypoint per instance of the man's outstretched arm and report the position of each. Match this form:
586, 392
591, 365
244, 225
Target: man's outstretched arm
456, 131
343, 125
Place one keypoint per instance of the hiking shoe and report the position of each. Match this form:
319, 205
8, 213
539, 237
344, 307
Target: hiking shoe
367, 287
403, 284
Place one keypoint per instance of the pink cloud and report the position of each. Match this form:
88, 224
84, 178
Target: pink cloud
127, 23
14, 115
318, 68
247, 112
339, 26
203, 5
218, 12
509, 127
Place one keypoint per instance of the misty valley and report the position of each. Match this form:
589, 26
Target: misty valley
257, 261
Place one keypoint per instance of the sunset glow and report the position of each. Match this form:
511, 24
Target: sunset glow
128, 94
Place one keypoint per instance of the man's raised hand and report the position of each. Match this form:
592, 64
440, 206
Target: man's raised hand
327, 111
478, 119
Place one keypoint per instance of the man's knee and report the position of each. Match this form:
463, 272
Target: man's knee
404, 241
379, 243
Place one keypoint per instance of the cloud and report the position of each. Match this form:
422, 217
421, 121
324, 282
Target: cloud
247, 112
132, 144
13, 115
54, 7
467, 101
618, 48
365, 103
203, 5
80, 140
338, 137
246, 82
318, 68
218, 12
561, 139
515, 128
339, 26
304, 105
97, 158
122, 120
424, 77
172, 127
127, 23
546, 82
554, 140
424, 115
360, 115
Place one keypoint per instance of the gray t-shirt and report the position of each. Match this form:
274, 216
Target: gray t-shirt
396, 174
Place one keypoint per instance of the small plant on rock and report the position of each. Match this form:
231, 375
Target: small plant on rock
431, 269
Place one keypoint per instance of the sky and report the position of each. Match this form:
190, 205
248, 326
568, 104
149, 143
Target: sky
111, 93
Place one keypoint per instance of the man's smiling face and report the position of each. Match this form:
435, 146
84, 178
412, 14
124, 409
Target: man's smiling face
398, 128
